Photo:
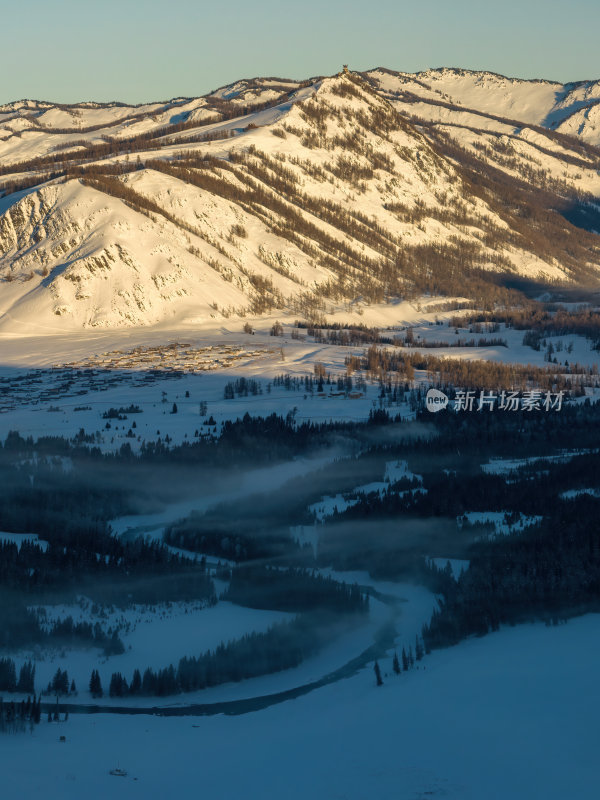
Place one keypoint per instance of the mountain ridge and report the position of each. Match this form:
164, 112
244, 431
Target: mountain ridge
286, 195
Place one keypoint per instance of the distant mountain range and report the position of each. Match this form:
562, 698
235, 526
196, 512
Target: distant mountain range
278, 194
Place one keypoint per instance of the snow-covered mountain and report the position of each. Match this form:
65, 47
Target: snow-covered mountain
272, 193
571, 108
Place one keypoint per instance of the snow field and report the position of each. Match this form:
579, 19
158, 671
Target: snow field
512, 715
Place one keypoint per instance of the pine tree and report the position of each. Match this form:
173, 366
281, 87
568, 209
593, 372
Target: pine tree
378, 677
57, 681
419, 652
149, 682
118, 685
405, 661
424, 640
8, 675
96, 684
396, 664
136, 682
26, 678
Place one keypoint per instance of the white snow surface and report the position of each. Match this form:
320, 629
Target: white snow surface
74, 257
511, 715
208, 357
155, 637
571, 108
161, 635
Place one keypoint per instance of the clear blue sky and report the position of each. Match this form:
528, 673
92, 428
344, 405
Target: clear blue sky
139, 50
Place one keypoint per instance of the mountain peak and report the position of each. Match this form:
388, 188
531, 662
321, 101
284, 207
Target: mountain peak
293, 195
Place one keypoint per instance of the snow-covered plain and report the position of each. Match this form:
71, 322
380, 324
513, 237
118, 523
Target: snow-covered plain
512, 715
155, 637
40, 402
161, 635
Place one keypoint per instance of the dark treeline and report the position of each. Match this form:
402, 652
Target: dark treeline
236, 540
20, 625
468, 438
257, 528
336, 333
247, 439
294, 383
68, 509
549, 571
282, 646
242, 387
293, 590
105, 568
389, 533
60, 684
68, 632
474, 374
529, 490
452, 482
553, 321
353, 335
252, 440
432, 344
31, 568
9, 682
16, 717
389, 548
392, 533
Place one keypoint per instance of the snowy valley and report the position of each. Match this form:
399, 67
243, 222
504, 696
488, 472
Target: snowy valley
230, 527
